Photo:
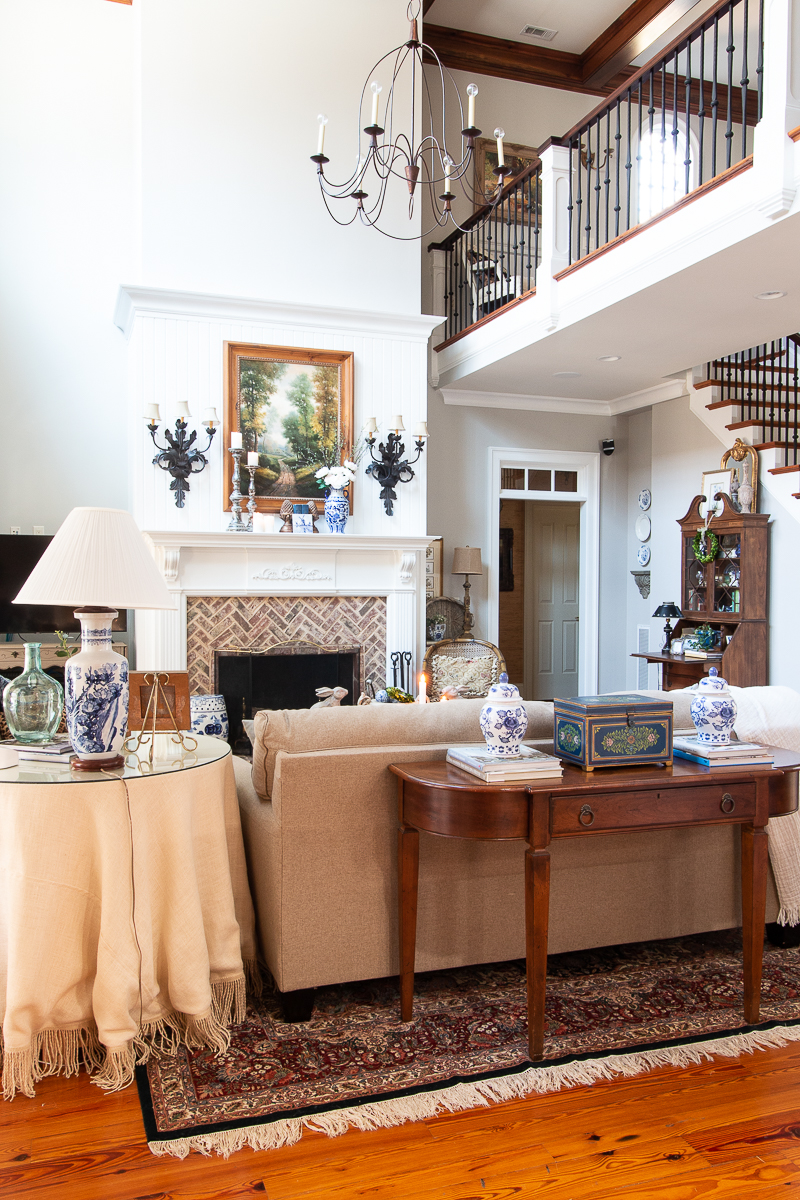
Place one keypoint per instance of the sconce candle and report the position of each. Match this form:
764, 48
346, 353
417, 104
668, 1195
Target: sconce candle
392, 468
180, 457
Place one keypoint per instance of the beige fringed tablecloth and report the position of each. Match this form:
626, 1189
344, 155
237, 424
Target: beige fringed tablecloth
125, 922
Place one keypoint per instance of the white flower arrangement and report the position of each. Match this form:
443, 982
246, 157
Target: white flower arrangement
337, 476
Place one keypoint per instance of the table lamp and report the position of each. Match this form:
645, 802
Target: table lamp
99, 562
671, 611
466, 562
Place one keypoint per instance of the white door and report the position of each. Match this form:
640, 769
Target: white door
552, 537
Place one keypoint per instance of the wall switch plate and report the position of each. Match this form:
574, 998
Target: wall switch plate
38, 529
15, 528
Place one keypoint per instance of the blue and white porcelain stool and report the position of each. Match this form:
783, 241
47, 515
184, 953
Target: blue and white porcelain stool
210, 716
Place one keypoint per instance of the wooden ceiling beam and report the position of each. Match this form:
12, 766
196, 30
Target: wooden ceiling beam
598, 71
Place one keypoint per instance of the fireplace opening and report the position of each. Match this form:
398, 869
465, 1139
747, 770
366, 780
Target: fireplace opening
283, 677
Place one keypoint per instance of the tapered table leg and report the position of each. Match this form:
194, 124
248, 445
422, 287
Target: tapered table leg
754, 903
408, 879
537, 913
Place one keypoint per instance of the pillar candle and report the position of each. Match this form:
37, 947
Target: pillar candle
236, 441
252, 458
422, 698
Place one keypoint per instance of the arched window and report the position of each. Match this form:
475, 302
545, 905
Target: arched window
667, 170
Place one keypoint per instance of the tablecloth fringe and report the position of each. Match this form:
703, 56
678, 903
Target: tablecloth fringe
63, 1051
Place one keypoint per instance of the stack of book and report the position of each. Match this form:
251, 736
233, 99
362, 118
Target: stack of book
735, 754
480, 762
56, 751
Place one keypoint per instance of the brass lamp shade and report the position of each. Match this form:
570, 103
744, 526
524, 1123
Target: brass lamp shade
467, 561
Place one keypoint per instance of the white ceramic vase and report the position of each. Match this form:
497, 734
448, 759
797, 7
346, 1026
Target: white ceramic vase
713, 710
504, 719
96, 691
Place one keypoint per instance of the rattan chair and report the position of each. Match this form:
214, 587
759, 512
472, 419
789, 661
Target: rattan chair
482, 666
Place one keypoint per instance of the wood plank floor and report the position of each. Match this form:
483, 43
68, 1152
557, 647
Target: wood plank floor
727, 1129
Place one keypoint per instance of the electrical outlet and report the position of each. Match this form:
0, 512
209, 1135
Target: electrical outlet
39, 529
15, 528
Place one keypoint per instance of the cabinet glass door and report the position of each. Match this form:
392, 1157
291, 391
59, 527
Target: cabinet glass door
695, 599
727, 570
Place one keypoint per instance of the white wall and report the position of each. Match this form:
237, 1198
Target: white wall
230, 97
67, 212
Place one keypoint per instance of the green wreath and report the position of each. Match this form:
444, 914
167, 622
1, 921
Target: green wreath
712, 541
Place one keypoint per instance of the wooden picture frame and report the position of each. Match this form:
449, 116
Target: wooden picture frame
516, 156
175, 686
295, 408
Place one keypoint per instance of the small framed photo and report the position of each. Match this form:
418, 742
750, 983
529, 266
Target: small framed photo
713, 483
172, 701
433, 569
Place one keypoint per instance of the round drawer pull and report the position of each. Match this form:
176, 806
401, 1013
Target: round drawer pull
586, 812
727, 803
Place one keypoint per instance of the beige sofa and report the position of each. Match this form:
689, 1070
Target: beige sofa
319, 815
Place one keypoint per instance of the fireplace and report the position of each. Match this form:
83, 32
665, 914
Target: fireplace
283, 677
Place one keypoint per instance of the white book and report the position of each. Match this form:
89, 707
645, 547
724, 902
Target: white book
498, 775
733, 749
480, 758
58, 748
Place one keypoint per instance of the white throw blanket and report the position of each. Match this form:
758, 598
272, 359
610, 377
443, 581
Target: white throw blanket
772, 715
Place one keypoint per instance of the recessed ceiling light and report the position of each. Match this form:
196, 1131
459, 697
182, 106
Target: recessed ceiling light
566, 374
770, 295
609, 358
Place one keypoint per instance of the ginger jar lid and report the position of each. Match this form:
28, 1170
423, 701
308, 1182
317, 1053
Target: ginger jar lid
713, 682
503, 690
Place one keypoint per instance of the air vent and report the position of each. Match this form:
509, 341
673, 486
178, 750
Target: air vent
536, 31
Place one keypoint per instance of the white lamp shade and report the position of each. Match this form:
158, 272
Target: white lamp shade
182, 409
396, 423
98, 558
210, 416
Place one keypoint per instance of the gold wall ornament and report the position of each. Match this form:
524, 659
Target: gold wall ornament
743, 460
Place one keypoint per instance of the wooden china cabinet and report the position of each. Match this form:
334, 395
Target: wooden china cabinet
729, 593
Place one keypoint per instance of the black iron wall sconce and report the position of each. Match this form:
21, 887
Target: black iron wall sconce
392, 467
180, 456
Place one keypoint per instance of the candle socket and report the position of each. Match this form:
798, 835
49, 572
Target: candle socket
236, 524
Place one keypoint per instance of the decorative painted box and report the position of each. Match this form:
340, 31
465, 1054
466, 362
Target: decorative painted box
613, 731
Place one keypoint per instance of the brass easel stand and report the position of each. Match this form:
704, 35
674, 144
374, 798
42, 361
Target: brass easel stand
146, 737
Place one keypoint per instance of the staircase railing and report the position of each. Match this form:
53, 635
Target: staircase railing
493, 260
682, 120
763, 383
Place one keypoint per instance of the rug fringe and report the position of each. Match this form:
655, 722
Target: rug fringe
421, 1106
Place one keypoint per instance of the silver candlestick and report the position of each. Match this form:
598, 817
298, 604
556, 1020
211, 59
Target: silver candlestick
236, 524
251, 503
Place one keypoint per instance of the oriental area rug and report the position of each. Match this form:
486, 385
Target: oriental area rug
612, 1012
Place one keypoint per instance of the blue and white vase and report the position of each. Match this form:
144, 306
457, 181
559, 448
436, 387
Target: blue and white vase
713, 710
337, 510
96, 690
209, 716
504, 719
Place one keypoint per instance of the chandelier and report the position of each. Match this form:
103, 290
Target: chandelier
418, 158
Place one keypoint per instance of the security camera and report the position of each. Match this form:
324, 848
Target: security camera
608, 445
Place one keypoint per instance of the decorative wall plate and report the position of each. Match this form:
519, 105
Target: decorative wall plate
642, 528
643, 556
644, 499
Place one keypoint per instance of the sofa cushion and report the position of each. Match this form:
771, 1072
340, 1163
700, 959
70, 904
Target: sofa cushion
304, 730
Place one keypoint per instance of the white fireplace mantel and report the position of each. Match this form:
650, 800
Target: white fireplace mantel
241, 564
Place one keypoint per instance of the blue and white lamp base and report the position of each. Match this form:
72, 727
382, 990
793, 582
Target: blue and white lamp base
96, 696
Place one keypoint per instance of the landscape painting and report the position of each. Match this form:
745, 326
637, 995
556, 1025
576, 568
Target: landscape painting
294, 408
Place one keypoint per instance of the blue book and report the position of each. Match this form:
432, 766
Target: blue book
743, 761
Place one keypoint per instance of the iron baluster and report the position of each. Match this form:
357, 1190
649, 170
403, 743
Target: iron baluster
729, 109
687, 161
628, 161
618, 140
714, 98
701, 107
745, 80
760, 64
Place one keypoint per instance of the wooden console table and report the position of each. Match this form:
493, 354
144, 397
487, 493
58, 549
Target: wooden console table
437, 798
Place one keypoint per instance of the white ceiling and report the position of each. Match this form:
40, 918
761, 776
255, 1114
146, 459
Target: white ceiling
578, 22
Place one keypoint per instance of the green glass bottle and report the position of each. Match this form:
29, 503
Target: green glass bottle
33, 702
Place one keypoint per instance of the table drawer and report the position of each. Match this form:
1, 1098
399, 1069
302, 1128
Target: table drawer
603, 811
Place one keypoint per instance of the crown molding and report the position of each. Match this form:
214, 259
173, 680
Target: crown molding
134, 301
672, 389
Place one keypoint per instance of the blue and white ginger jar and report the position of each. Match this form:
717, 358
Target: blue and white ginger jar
504, 719
209, 716
713, 710
96, 691
337, 510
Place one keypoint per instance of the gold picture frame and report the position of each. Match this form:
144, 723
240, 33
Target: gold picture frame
516, 156
292, 406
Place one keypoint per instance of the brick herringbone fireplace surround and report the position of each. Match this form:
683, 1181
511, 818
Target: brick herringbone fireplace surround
256, 623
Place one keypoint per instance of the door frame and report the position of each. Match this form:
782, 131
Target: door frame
587, 466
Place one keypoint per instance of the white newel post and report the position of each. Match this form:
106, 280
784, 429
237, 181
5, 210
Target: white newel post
773, 151
554, 234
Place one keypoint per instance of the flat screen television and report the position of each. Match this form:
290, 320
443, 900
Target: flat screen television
19, 554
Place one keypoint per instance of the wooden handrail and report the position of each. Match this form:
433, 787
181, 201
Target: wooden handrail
480, 213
